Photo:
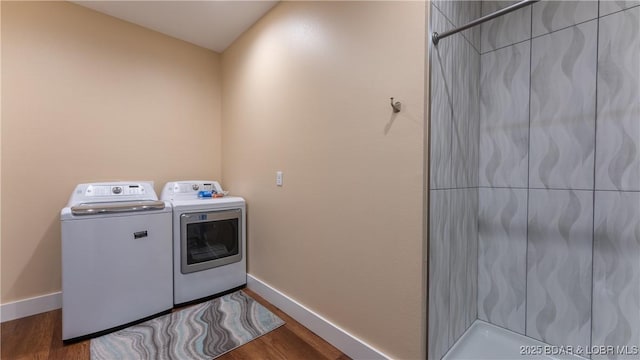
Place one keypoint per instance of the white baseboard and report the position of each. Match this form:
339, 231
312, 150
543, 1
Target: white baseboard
345, 342
31, 306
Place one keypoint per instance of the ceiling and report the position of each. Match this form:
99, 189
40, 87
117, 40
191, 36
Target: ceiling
211, 24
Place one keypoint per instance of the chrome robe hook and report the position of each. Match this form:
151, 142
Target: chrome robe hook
396, 106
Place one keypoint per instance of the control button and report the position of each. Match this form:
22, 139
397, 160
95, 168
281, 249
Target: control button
195, 187
116, 190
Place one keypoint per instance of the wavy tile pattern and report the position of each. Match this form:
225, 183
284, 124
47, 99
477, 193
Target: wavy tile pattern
441, 106
504, 117
463, 260
540, 215
466, 78
470, 224
504, 30
439, 250
611, 6
467, 11
203, 331
551, 15
453, 231
559, 260
616, 270
618, 130
502, 224
563, 84
458, 264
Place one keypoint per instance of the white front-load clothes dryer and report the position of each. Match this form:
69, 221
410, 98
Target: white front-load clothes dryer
116, 257
209, 240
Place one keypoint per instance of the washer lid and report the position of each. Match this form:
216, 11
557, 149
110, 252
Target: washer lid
116, 207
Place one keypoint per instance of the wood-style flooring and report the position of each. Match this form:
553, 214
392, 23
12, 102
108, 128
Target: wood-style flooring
40, 337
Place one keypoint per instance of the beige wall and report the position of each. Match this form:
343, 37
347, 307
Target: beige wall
88, 98
306, 91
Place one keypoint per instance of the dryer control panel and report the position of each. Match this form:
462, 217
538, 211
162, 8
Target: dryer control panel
189, 189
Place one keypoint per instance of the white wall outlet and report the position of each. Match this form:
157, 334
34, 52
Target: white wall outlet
279, 178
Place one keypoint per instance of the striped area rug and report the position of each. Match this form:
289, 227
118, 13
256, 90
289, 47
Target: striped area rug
204, 331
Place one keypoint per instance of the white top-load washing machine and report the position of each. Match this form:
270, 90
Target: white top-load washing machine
209, 240
116, 257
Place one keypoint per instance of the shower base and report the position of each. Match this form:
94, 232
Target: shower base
486, 341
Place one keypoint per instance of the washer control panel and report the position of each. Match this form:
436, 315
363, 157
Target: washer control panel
116, 191
109, 190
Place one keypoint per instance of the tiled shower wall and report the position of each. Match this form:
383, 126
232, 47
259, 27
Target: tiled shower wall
559, 172
455, 119
548, 184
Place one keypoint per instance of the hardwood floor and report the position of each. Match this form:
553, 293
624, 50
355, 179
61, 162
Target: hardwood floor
39, 337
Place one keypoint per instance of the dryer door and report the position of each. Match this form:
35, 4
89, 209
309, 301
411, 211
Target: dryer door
210, 239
